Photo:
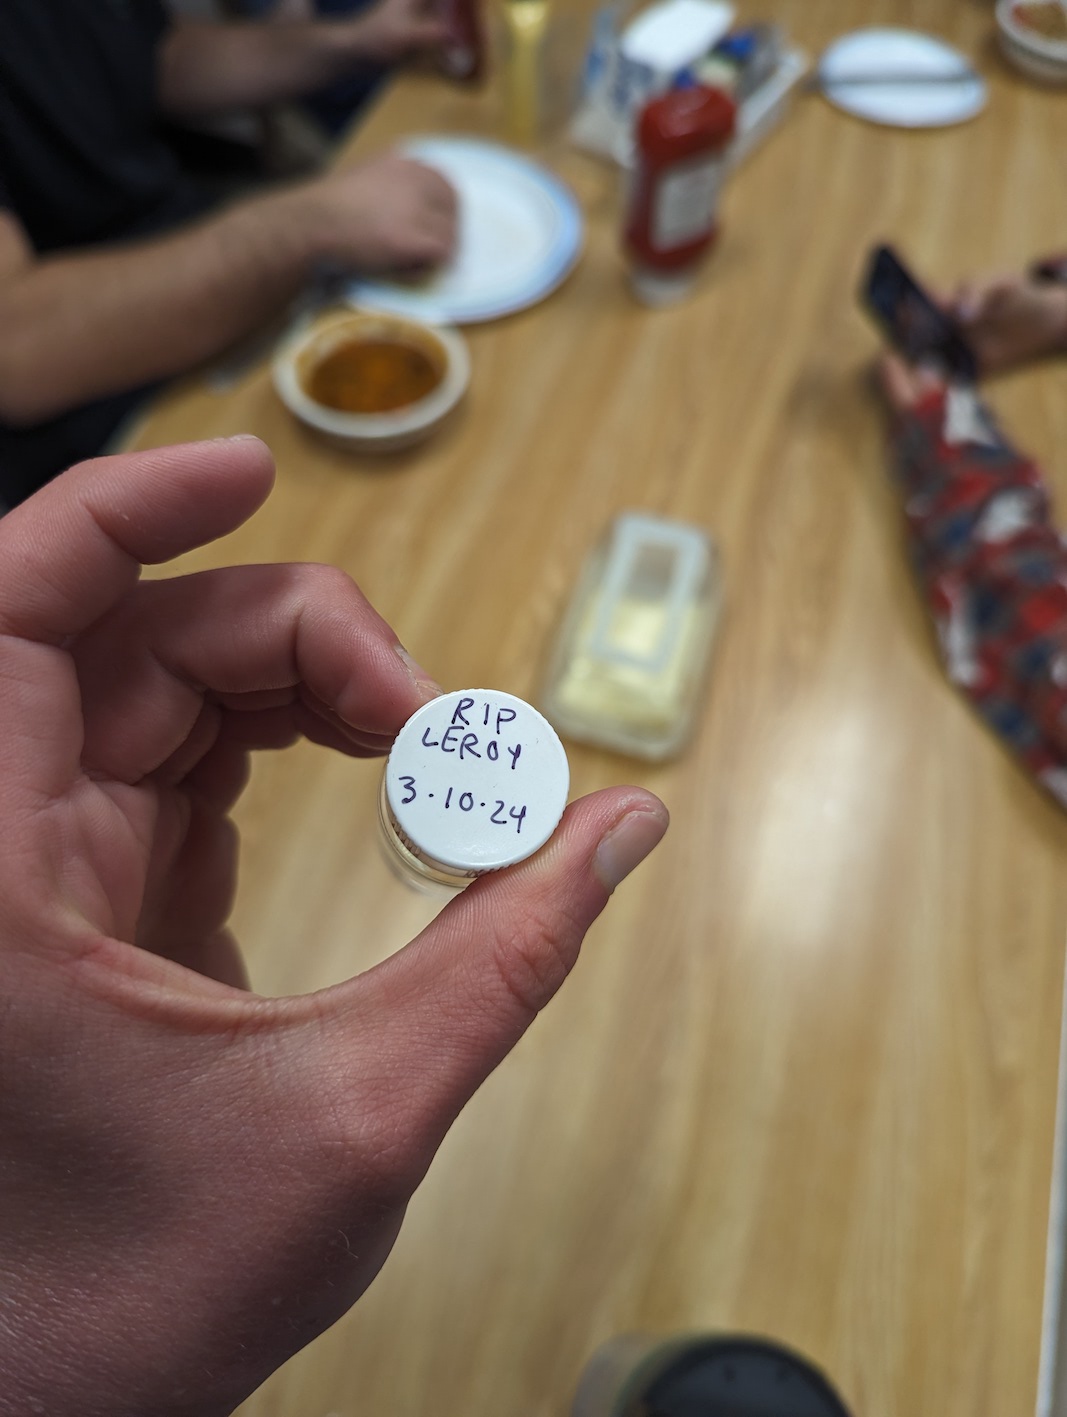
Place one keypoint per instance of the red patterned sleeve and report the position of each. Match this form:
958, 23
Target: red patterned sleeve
992, 569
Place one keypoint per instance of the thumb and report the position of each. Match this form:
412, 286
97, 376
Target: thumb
426, 1028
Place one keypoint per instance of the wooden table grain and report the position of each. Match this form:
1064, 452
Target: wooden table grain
802, 1082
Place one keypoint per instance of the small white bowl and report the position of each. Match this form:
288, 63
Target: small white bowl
1031, 53
313, 339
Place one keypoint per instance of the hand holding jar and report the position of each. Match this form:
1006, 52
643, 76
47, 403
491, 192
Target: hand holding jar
195, 1181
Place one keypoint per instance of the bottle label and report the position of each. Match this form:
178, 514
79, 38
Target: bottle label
686, 200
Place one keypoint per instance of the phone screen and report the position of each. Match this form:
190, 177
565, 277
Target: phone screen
919, 328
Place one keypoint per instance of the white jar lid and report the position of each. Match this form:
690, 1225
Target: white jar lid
477, 780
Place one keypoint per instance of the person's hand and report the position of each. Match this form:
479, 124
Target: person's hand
904, 386
389, 214
195, 1181
395, 30
1010, 319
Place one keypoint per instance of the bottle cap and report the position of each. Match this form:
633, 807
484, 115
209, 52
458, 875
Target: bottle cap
477, 780
699, 113
663, 287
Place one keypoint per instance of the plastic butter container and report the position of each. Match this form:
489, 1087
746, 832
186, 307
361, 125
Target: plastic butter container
633, 649
476, 780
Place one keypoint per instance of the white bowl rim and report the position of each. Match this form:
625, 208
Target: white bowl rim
369, 427
1031, 62
1043, 68
1050, 49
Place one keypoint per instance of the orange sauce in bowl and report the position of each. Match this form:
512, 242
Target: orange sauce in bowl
372, 375
1045, 17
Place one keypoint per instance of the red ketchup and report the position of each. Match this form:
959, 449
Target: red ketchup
672, 220
463, 52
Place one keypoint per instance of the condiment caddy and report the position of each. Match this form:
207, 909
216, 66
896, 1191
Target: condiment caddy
638, 52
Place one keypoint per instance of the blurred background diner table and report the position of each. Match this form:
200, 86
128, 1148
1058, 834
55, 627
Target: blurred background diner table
803, 1080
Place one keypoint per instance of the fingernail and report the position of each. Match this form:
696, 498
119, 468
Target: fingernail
427, 687
627, 845
237, 438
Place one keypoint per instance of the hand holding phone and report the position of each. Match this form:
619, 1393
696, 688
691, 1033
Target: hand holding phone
913, 322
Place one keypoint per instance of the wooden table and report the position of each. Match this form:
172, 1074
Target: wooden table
802, 1082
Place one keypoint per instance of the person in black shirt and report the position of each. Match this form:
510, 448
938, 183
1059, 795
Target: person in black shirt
114, 272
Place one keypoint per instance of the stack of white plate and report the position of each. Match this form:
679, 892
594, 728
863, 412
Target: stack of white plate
1031, 53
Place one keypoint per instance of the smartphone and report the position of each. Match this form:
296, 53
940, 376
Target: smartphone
913, 322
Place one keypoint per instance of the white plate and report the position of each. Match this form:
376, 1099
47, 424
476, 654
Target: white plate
885, 52
520, 234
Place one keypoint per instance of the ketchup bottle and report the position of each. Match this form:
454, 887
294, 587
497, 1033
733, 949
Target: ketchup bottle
463, 53
672, 219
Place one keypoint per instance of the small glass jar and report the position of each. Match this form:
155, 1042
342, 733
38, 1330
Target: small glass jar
633, 649
476, 780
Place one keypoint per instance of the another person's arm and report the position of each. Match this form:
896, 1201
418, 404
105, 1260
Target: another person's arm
82, 325
208, 68
989, 559
195, 1181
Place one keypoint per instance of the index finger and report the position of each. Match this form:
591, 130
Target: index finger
77, 546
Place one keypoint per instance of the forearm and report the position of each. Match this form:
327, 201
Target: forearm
81, 326
992, 567
208, 68
955, 489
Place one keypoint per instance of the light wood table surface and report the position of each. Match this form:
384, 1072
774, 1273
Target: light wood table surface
802, 1082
